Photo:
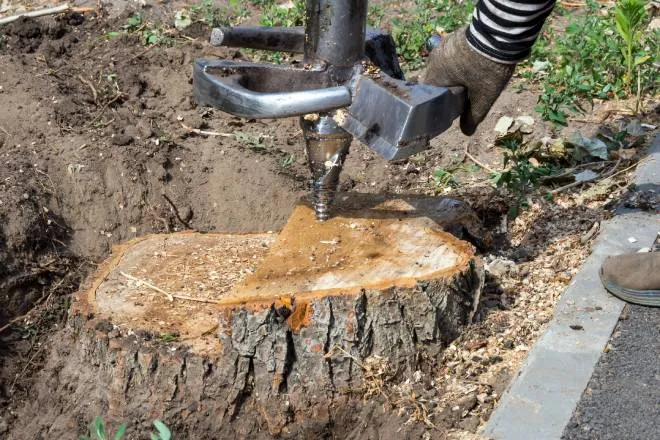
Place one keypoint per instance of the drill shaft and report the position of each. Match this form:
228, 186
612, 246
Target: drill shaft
326, 146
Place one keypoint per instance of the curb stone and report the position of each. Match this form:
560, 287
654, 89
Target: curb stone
544, 393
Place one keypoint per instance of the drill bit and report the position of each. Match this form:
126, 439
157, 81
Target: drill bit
326, 146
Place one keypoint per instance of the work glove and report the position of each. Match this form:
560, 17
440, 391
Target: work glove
455, 63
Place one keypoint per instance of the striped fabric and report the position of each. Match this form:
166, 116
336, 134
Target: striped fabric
505, 30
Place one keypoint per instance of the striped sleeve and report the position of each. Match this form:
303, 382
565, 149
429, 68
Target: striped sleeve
505, 30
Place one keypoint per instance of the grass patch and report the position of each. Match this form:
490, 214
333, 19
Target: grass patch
601, 54
427, 18
231, 14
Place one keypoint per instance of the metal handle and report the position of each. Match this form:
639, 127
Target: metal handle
263, 38
226, 85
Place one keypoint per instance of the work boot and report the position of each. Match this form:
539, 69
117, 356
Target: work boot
634, 278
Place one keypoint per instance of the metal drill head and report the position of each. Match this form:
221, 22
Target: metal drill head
326, 146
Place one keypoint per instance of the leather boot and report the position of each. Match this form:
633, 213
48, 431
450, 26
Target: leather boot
635, 278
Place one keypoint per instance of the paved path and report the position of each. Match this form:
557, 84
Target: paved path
622, 400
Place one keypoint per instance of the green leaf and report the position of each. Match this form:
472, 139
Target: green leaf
112, 35
120, 432
163, 431
99, 428
642, 59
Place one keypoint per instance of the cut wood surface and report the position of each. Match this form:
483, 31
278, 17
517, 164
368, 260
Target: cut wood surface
280, 324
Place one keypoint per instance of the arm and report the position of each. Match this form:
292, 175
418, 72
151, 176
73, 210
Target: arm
482, 56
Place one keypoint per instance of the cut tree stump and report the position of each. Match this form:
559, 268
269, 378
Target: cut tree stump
224, 333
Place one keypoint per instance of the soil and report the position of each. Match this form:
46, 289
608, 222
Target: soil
94, 152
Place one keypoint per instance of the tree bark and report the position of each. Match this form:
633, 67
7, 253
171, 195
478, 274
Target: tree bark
242, 335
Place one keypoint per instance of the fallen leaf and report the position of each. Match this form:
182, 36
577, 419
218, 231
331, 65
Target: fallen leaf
475, 345
540, 66
628, 154
634, 128
586, 175
503, 125
588, 147
182, 19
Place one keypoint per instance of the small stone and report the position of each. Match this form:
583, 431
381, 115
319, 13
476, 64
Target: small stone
500, 267
121, 140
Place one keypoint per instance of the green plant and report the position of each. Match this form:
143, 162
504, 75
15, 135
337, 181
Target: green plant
162, 431
149, 34
133, 22
288, 16
410, 30
443, 179
230, 15
630, 16
287, 161
584, 62
97, 431
259, 143
521, 175
375, 15
154, 35
168, 337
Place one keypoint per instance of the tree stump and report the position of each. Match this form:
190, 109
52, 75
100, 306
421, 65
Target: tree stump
230, 334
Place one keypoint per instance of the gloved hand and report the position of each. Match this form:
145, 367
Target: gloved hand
455, 63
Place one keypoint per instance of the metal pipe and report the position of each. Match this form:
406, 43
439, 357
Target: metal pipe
335, 31
264, 38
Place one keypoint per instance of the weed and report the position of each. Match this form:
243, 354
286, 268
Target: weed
230, 15
149, 34
629, 16
520, 176
133, 23
168, 337
287, 161
154, 35
162, 431
290, 15
259, 143
97, 431
375, 15
445, 178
